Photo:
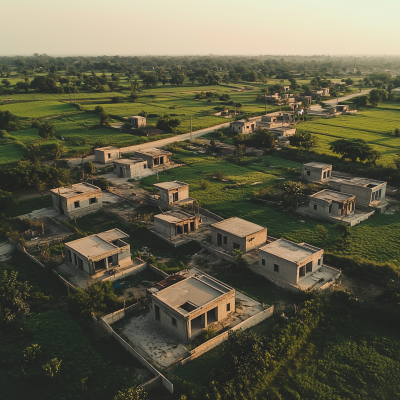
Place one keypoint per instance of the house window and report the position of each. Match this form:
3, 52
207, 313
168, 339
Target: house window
319, 261
276, 268
93, 200
315, 206
324, 174
308, 173
225, 239
109, 155
76, 204
236, 246
173, 321
262, 261
228, 307
144, 166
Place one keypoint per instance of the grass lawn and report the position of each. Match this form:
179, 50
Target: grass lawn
28, 205
34, 109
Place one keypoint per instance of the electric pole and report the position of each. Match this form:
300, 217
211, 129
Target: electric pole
190, 132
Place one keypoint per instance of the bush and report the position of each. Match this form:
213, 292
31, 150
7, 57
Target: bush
204, 184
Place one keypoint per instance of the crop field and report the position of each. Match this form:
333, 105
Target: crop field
373, 125
33, 109
375, 239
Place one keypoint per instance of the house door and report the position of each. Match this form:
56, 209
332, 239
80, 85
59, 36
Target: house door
120, 171
219, 239
192, 226
302, 271
175, 196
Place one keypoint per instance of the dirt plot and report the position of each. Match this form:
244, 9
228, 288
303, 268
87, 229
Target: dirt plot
362, 290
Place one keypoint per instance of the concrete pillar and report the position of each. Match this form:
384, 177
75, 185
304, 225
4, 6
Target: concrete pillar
106, 262
204, 320
189, 330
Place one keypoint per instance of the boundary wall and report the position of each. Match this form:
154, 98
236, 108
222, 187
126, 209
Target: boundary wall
23, 250
216, 341
159, 379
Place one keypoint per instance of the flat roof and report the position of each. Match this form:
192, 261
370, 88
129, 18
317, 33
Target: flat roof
129, 161
137, 116
174, 216
359, 181
289, 250
170, 185
96, 245
153, 152
75, 190
238, 226
190, 290
106, 148
331, 195
317, 165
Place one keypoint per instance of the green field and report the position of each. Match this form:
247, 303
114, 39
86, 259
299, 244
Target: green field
375, 239
374, 125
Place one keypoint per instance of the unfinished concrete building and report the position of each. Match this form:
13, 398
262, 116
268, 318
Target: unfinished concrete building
243, 126
98, 253
283, 131
368, 192
138, 121
104, 155
156, 158
186, 303
129, 167
288, 118
317, 172
294, 266
77, 200
175, 223
175, 192
328, 203
237, 234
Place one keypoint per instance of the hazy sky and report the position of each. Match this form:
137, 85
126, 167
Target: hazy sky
199, 27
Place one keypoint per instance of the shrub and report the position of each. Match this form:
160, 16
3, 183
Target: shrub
204, 184
52, 368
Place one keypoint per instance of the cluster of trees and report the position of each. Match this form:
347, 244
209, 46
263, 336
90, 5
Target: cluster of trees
168, 124
355, 149
8, 122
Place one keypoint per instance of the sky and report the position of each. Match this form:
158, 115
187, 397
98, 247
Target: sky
219, 27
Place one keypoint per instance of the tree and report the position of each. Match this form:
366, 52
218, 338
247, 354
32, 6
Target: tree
238, 106
303, 140
225, 98
132, 393
226, 79
6, 83
361, 101
104, 117
292, 192
33, 153
13, 297
376, 96
354, 149
52, 368
349, 81
262, 138
46, 130
239, 259
168, 124
322, 231
55, 152
6, 199
97, 297
8, 121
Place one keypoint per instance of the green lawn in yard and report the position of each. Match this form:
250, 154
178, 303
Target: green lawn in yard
375, 239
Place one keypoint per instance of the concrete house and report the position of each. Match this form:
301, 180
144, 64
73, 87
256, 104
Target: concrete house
138, 121
286, 88
236, 233
368, 192
129, 167
99, 253
186, 303
104, 155
77, 200
316, 172
243, 126
287, 261
268, 122
288, 118
283, 131
324, 92
329, 203
155, 158
304, 98
174, 223
172, 192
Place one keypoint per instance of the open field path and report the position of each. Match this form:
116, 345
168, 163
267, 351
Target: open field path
332, 102
187, 136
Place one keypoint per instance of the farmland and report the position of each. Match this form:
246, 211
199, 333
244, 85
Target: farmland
374, 125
